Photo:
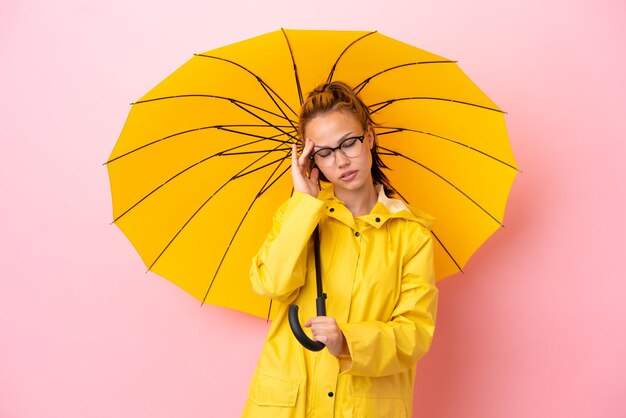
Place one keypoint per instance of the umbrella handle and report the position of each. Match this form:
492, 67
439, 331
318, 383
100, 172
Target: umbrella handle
298, 332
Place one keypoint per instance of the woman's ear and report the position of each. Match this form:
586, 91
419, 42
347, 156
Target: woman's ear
370, 136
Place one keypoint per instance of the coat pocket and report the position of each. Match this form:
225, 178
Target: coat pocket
266, 390
382, 396
374, 407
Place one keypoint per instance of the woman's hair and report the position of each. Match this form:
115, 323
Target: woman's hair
337, 95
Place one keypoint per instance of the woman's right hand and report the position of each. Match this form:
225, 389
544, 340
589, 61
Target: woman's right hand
299, 164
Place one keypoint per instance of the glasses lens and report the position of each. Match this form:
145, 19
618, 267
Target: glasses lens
324, 158
351, 147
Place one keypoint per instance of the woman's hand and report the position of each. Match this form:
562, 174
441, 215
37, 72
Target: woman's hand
326, 331
302, 182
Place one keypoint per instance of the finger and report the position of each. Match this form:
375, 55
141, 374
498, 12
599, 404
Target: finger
306, 151
303, 155
315, 172
294, 156
324, 330
316, 320
322, 319
297, 171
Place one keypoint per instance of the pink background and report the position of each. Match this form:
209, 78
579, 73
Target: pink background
534, 328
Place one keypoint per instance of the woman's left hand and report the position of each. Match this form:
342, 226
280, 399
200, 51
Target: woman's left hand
326, 331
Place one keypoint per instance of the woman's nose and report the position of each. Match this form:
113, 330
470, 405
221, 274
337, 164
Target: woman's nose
341, 159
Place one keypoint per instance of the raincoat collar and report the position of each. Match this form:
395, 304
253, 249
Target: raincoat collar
386, 208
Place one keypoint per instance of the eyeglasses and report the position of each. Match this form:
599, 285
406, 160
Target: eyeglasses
351, 148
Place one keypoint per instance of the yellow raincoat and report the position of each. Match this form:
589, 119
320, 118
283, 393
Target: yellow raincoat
378, 273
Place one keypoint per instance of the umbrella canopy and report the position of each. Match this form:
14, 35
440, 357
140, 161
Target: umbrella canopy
203, 160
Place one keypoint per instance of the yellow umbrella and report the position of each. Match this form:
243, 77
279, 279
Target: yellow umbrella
203, 159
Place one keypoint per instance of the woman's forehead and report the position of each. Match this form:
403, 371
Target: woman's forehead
328, 129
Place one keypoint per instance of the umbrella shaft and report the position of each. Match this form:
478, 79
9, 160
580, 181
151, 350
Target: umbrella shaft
320, 303
318, 268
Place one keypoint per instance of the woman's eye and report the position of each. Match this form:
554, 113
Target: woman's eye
324, 153
348, 142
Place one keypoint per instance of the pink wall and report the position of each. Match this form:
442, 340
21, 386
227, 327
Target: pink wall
534, 328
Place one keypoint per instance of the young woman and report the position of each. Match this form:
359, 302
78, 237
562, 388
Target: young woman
377, 270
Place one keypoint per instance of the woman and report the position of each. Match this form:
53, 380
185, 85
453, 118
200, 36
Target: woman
377, 270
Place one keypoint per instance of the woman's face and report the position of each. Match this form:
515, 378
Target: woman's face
330, 130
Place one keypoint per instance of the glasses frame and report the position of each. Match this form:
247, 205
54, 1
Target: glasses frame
338, 148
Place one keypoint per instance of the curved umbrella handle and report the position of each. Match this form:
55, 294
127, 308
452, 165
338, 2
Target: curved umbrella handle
298, 332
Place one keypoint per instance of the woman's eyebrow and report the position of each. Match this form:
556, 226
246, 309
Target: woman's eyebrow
348, 135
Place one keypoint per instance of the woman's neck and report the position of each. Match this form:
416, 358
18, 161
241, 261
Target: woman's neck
359, 202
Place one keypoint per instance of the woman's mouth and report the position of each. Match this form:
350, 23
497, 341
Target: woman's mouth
348, 175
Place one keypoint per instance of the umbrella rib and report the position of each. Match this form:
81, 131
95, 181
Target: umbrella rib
398, 130
278, 106
243, 218
436, 237
397, 154
334, 67
238, 103
263, 120
295, 68
382, 105
259, 79
447, 252
211, 96
253, 152
240, 174
362, 84
269, 138
269, 311
184, 171
202, 128
274, 181
198, 211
